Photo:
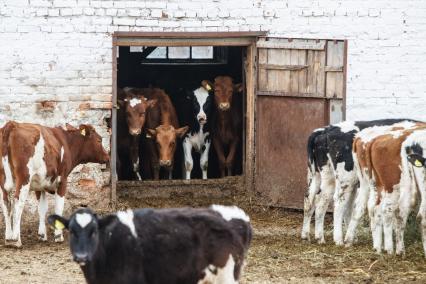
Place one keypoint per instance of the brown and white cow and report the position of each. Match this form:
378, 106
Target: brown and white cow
227, 122
162, 131
38, 158
130, 120
377, 158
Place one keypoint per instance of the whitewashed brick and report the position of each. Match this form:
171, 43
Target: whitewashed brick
156, 13
124, 21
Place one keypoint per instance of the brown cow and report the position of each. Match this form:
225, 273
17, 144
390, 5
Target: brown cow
40, 158
227, 122
377, 158
162, 131
130, 120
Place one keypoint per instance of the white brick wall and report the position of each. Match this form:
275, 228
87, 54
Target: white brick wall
61, 49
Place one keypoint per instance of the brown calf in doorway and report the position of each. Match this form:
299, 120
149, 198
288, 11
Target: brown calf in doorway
162, 131
131, 118
227, 122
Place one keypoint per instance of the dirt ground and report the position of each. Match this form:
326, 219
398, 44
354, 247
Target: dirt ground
277, 255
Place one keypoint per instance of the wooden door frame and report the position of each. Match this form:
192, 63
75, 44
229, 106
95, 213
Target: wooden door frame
244, 39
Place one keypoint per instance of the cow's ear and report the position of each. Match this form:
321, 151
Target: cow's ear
151, 133
180, 132
105, 221
69, 127
207, 85
85, 130
58, 222
416, 160
151, 103
238, 87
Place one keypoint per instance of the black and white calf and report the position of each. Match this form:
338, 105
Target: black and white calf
198, 136
186, 245
331, 175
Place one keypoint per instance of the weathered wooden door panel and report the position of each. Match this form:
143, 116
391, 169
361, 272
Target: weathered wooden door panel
281, 133
300, 87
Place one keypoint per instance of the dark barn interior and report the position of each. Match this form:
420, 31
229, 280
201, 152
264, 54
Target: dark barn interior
135, 68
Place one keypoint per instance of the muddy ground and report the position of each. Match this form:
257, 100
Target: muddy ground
277, 255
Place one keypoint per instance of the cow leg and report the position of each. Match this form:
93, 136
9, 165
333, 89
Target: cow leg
403, 210
220, 155
388, 214
189, 162
345, 186
204, 159
134, 155
42, 210
6, 209
376, 224
314, 181
231, 157
326, 195
419, 174
21, 195
358, 210
59, 209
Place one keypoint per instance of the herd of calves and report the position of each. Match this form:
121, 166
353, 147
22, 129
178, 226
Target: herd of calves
148, 130
378, 165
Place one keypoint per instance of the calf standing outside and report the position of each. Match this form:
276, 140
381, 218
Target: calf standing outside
39, 158
186, 245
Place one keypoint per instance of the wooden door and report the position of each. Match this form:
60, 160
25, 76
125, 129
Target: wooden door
301, 86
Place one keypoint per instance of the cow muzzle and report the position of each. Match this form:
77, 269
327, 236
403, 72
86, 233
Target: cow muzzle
224, 106
80, 258
165, 163
202, 119
134, 132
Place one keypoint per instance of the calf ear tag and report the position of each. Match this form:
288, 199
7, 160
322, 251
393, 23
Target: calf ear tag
418, 164
208, 87
83, 132
59, 225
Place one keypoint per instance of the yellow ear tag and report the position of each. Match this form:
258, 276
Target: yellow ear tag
83, 132
59, 225
208, 87
417, 163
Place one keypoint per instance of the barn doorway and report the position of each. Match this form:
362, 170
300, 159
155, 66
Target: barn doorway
179, 70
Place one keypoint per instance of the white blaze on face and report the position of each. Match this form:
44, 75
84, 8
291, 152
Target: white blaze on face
83, 219
347, 126
231, 212
126, 218
134, 102
201, 96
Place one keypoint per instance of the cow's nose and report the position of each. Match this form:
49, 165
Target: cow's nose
202, 119
224, 106
166, 163
135, 132
81, 258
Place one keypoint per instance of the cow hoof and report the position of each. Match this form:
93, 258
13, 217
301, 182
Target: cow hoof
13, 243
339, 243
321, 241
42, 237
59, 238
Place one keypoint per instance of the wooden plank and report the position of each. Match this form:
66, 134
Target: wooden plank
250, 162
289, 94
113, 146
263, 74
292, 44
281, 67
336, 110
335, 53
319, 74
231, 34
333, 69
294, 75
142, 41
302, 85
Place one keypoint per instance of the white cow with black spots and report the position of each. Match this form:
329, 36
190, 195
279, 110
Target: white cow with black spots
198, 136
